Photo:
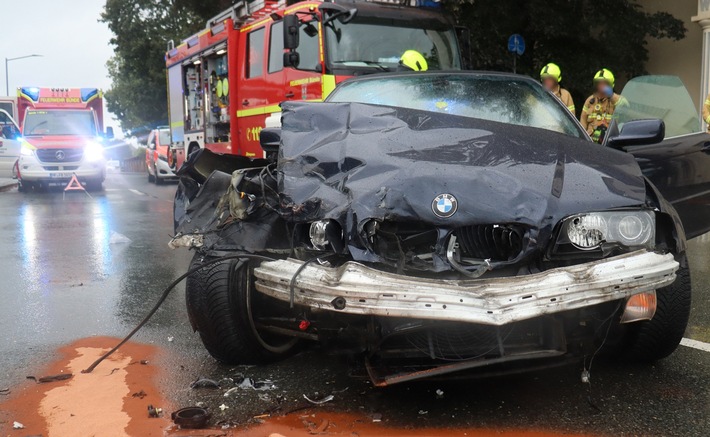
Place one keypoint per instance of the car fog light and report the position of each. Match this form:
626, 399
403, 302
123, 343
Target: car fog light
317, 234
639, 307
587, 231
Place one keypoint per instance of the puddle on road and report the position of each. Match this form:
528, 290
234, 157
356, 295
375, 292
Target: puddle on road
100, 403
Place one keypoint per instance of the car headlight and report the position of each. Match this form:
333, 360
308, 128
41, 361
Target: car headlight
93, 152
592, 230
26, 151
325, 235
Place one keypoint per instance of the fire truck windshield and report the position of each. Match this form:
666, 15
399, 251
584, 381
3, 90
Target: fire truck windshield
59, 122
377, 44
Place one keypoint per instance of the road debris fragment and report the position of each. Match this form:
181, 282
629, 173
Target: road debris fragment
223, 407
439, 393
4, 391
117, 238
170, 339
191, 417
376, 418
230, 391
423, 412
140, 394
154, 412
51, 378
204, 383
17, 425
319, 401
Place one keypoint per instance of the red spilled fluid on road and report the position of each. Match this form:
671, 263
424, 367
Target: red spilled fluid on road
100, 403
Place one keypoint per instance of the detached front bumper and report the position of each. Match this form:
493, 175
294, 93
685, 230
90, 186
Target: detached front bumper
356, 289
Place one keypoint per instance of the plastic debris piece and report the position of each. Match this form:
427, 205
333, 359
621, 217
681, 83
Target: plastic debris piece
17, 425
319, 401
117, 238
170, 339
423, 412
223, 407
191, 417
230, 391
585, 377
377, 417
439, 393
204, 383
154, 412
247, 383
4, 391
144, 362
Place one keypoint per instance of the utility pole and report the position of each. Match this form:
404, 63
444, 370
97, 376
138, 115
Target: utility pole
7, 74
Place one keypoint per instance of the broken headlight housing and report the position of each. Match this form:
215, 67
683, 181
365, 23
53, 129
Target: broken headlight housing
606, 231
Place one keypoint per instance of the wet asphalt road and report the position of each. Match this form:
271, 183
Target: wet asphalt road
68, 272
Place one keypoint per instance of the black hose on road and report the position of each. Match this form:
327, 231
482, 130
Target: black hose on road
164, 296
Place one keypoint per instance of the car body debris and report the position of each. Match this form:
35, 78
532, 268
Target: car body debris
204, 383
319, 401
154, 412
51, 378
17, 425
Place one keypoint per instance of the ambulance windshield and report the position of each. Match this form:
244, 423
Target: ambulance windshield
377, 44
59, 122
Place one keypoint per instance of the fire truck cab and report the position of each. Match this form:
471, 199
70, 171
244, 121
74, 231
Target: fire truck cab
225, 81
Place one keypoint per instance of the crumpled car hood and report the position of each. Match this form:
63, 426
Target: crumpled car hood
351, 162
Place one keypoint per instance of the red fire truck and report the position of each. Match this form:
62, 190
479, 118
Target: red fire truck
62, 132
225, 81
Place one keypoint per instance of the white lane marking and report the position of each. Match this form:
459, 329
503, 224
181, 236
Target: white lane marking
695, 344
140, 193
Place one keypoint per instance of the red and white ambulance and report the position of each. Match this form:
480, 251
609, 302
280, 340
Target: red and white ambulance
225, 81
62, 136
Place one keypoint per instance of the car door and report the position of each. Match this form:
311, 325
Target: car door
679, 166
150, 151
9, 144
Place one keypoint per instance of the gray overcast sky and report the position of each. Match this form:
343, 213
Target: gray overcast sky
74, 45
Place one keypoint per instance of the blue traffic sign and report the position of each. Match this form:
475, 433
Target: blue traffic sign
516, 44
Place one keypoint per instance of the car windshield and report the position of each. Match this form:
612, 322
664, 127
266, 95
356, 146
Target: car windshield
661, 97
164, 137
378, 43
495, 98
59, 122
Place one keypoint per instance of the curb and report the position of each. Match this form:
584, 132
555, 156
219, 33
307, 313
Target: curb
7, 186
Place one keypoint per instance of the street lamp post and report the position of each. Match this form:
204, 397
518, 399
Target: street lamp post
7, 76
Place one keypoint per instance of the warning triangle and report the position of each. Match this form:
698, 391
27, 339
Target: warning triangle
74, 184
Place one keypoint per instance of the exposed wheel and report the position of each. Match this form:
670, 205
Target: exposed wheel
151, 178
223, 306
657, 338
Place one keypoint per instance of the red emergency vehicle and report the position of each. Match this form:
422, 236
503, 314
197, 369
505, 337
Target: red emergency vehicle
225, 81
62, 135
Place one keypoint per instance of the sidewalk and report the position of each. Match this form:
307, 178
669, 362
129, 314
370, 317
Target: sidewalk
7, 184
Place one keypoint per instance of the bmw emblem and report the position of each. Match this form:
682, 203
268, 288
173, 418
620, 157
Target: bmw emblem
444, 205
60, 155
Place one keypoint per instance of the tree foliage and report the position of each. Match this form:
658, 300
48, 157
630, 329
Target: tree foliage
581, 36
141, 29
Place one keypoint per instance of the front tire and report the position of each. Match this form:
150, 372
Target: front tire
158, 179
652, 340
221, 303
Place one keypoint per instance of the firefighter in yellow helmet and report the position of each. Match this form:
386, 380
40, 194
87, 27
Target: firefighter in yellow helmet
551, 76
706, 111
599, 107
414, 61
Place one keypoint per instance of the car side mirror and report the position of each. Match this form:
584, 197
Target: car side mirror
270, 140
109, 133
291, 31
639, 133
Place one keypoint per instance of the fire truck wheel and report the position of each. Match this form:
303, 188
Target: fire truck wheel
223, 305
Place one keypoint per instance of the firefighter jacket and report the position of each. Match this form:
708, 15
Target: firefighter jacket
597, 112
706, 111
565, 97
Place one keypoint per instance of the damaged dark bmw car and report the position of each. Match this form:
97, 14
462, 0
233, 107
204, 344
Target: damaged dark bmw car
433, 223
